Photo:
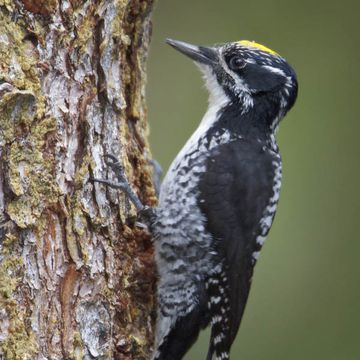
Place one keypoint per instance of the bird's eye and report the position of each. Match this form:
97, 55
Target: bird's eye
237, 63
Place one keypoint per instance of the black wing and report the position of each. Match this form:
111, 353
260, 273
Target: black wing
234, 193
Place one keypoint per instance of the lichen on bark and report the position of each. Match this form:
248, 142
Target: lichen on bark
76, 274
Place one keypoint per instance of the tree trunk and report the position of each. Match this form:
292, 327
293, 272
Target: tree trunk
76, 273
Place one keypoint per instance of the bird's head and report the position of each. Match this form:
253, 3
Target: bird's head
247, 72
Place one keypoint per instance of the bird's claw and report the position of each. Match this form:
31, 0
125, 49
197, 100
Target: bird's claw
115, 165
122, 183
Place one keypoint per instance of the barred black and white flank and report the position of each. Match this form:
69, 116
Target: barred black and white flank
219, 197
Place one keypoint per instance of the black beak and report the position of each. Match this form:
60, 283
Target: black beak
200, 54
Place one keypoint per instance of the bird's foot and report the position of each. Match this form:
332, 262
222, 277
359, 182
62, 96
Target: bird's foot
111, 161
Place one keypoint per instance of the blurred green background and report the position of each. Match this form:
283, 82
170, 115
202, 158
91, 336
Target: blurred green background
305, 299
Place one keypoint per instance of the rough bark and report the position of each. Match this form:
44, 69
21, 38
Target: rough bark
76, 273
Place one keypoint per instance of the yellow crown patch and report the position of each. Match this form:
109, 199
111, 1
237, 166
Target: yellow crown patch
255, 45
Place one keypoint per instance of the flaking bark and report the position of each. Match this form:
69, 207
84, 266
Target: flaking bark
76, 274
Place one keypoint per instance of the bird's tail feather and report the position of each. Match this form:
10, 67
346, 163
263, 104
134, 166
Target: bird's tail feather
180, 337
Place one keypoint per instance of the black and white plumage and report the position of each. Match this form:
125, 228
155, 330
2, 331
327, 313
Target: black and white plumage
218, 199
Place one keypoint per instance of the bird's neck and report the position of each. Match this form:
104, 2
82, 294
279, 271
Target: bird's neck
257, 122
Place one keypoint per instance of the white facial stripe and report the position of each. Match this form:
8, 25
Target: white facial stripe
288, 81
274, 70
243, 91
239, 82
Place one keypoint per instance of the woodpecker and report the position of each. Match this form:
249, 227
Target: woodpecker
218, 198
